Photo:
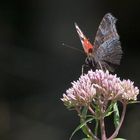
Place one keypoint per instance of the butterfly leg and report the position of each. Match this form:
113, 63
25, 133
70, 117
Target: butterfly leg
100, 65
106, 69
83, 68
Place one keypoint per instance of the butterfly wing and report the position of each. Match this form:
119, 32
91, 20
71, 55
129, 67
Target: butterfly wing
87, 46
107, 48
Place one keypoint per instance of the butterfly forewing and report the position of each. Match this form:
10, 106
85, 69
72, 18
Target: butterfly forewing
106, 30
87, 46
107, 48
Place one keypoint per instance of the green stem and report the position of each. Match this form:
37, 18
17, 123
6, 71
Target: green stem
90, 134
119, 126
96, 127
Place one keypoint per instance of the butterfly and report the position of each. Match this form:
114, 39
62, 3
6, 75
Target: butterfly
106, 52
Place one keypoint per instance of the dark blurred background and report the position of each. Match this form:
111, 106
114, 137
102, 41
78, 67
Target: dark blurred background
35, 70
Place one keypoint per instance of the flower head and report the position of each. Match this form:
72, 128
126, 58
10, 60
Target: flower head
99, 85
106, 84
81, 93
129, 91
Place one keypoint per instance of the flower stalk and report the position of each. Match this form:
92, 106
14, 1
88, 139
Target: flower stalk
102, 126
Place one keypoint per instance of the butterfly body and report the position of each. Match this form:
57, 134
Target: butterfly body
105, 52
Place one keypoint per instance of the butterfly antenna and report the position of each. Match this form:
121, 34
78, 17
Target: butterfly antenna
71, 47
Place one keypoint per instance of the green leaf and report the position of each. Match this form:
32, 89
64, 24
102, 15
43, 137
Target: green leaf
96, 127
83, 118
109, 110
80, 126
116, 115
91, 116
96, 107
84, 112
119, 139
109, 113
86, 139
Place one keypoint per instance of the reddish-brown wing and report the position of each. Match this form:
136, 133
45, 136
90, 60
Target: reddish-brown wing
107, 48
87, 46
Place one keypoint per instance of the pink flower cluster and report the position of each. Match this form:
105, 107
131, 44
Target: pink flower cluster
99, 84
129, 91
